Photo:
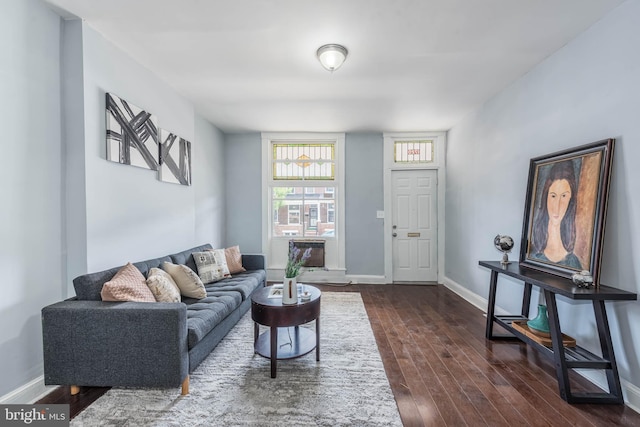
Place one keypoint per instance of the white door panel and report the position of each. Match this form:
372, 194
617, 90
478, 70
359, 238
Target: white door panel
414, 225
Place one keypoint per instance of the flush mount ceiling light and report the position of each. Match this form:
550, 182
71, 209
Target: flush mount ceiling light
331, 56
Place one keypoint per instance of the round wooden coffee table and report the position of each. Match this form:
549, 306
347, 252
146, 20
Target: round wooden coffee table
284, 322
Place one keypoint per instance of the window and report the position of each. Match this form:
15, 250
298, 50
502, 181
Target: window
287, 203
303, 196
302, 186
420, 151
295, 161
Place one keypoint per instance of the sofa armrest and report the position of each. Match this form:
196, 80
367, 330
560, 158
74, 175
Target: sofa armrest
253, 261
96, 343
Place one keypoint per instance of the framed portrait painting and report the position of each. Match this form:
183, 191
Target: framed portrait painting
565, 210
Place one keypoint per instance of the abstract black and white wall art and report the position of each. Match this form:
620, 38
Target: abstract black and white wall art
175, 159
132, 134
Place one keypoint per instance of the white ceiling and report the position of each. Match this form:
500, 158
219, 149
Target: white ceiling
413, 65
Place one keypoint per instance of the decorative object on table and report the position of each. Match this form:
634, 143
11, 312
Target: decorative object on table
504, 244
540, 325
583, 279
305, 296
565, 210
295, 260
275, 291
175, 159
132, 134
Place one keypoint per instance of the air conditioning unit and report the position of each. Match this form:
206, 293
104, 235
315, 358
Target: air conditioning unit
317, 251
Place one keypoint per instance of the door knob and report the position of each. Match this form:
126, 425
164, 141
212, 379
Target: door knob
394, 234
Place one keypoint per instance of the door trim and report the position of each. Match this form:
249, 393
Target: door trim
439, 139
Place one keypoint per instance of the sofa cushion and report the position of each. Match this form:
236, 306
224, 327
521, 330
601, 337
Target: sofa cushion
205, 314
162, 286
187, 280
212, 265
244, 283
234, 260
127, 285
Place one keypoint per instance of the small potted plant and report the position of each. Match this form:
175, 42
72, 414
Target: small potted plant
291, 273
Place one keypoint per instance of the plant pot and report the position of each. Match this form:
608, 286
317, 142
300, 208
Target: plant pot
290, 290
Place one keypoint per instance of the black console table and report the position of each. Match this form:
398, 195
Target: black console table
564, 358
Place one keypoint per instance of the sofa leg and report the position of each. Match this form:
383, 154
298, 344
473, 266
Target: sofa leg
185, 386
74, 390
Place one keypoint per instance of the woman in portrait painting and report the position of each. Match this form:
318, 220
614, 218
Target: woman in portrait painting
554, 225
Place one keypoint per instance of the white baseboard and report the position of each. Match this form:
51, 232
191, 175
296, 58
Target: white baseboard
630, 392
366, 279
631, 395
28, 393
474, 299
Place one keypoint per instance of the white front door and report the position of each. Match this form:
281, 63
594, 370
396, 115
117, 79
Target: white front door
415, 225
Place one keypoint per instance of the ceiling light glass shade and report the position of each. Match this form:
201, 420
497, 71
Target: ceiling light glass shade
332, 56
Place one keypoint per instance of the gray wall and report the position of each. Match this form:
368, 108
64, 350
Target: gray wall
364, 196
30, 181
208, 181
131, 215
67, 210
363, 192
243, 172
587, 91
128, 214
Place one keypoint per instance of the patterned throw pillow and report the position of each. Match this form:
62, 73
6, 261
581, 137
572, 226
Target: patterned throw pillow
187, 280
234, 259
163, 286
127, 285
212, 265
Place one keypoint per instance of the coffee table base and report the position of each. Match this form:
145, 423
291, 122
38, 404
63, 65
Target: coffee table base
303, 341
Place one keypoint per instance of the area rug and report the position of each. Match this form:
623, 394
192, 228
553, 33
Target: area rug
233, 387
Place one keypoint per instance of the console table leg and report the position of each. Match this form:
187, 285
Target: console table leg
491, 306
526, 299
560, 361
606, 345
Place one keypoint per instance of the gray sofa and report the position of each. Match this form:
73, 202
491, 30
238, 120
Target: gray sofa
90, 342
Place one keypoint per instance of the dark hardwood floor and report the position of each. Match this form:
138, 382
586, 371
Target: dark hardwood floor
443, 372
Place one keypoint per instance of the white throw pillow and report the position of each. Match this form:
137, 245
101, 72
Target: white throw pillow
187, 280
162, 286
212, 265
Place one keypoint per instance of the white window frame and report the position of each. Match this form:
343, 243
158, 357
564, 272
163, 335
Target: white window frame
273, 246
